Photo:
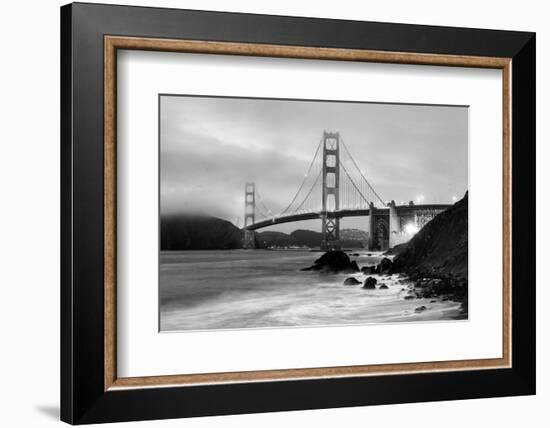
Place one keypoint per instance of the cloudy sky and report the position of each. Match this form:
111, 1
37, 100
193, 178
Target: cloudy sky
211, 146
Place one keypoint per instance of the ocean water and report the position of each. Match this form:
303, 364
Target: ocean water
235, 289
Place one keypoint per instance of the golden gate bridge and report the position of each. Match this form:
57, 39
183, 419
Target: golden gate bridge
335, 187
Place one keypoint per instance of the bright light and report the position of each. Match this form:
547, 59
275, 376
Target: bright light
419, 199
454, 198
411, 228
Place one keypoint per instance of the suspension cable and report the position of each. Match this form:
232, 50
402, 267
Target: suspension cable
310, 190
358, 169
353, 183
305, 178
262, 213
270, 213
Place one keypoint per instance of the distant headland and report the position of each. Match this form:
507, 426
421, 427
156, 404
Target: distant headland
199, 232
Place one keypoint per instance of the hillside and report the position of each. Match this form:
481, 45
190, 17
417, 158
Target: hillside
191, 232
274, 239
356, 235
307, 238
440, 248
351, 238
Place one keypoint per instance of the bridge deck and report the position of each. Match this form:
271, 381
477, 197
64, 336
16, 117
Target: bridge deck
401, 209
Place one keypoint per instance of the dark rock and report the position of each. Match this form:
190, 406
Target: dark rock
334, 262
433, 301
368, 270
409, 297
370, 283
398, 249
464, 306
354, 267
355, 254
420, 309
450, 287
351, 281
385, 266
383, 287
419, 283
334, 258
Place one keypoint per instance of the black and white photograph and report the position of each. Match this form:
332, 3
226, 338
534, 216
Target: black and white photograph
296, 213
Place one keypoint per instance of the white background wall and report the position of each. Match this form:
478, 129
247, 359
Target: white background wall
29, 213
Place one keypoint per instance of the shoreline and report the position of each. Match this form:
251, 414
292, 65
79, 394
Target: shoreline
278, 295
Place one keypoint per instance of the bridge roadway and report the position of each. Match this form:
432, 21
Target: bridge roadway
401, 209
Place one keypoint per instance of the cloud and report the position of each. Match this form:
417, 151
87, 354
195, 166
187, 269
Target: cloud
210, 147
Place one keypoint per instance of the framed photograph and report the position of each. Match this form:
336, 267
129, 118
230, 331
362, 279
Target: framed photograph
265, 213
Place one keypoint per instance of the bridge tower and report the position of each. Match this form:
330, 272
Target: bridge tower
331, 191
249, 241
394, 225
372, 226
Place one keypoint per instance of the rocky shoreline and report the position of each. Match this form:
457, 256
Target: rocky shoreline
436, 259
449, 287
432, 265
413, 285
